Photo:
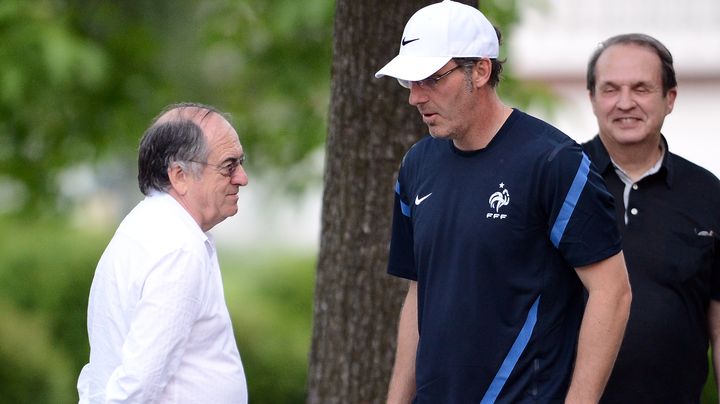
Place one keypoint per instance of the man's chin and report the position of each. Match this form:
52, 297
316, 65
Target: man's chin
231, 210
630, 138
437, 134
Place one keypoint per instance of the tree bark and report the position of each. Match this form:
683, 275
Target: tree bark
370, 128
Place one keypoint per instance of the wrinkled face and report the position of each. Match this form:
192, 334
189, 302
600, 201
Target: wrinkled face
629, 103
446, 104
213, 197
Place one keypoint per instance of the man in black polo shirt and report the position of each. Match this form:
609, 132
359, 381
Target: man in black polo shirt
668, 211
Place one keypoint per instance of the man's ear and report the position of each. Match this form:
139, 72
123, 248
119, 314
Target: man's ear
670, 100
481, 72
178, 178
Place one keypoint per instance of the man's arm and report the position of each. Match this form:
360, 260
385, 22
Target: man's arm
402, 383
714, 328
159, 329
602, 329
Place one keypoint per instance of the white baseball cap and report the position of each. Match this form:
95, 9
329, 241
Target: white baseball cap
437, 33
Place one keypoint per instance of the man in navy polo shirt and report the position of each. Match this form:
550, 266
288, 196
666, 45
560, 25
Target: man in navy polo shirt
500, 222
668, 210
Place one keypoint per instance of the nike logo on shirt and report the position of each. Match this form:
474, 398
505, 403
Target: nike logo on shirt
419, 200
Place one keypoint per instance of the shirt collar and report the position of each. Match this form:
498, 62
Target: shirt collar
171, 203
603, 162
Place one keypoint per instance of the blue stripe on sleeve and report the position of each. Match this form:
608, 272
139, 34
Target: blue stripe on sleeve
571, 200
405, 208
512, 357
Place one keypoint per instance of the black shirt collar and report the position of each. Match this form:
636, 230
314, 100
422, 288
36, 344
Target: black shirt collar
602, 160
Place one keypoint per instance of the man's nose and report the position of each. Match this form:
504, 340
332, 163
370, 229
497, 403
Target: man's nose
418, 94
239, 177
625, 99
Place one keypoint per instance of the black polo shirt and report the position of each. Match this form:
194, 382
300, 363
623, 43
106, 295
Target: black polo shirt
672, 251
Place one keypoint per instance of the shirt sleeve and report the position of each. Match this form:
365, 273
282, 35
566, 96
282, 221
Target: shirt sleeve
401, 261
172, 295
582, 222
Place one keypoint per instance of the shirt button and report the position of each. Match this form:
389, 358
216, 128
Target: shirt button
635, 187
633, 211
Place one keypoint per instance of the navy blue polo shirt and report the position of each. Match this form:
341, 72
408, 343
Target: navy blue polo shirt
672, 251
492, 237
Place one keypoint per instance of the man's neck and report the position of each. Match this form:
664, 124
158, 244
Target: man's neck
635, 159
490, 118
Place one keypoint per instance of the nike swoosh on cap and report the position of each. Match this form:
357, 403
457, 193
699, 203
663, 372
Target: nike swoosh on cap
404, 42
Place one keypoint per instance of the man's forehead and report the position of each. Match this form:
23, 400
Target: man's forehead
221, 136
628, 63
621, 54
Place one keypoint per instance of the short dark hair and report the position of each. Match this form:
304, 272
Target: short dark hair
496, 64
666, 60
177, 139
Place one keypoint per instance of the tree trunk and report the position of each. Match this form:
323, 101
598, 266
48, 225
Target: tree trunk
370, 128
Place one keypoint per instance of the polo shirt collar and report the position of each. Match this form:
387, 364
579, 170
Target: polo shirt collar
603, 162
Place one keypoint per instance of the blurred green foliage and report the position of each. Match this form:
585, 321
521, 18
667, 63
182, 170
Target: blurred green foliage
80, 81
31, 368
269, 295
45, 273
710, 391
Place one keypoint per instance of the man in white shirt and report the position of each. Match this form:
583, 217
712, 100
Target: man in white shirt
158, 324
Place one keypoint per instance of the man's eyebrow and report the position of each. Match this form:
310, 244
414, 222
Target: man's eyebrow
631, 84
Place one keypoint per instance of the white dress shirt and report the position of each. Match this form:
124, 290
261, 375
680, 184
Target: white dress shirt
158, 324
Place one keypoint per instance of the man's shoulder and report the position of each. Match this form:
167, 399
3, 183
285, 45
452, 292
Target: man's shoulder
687, 172
689, 167
525, 120
538, 135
